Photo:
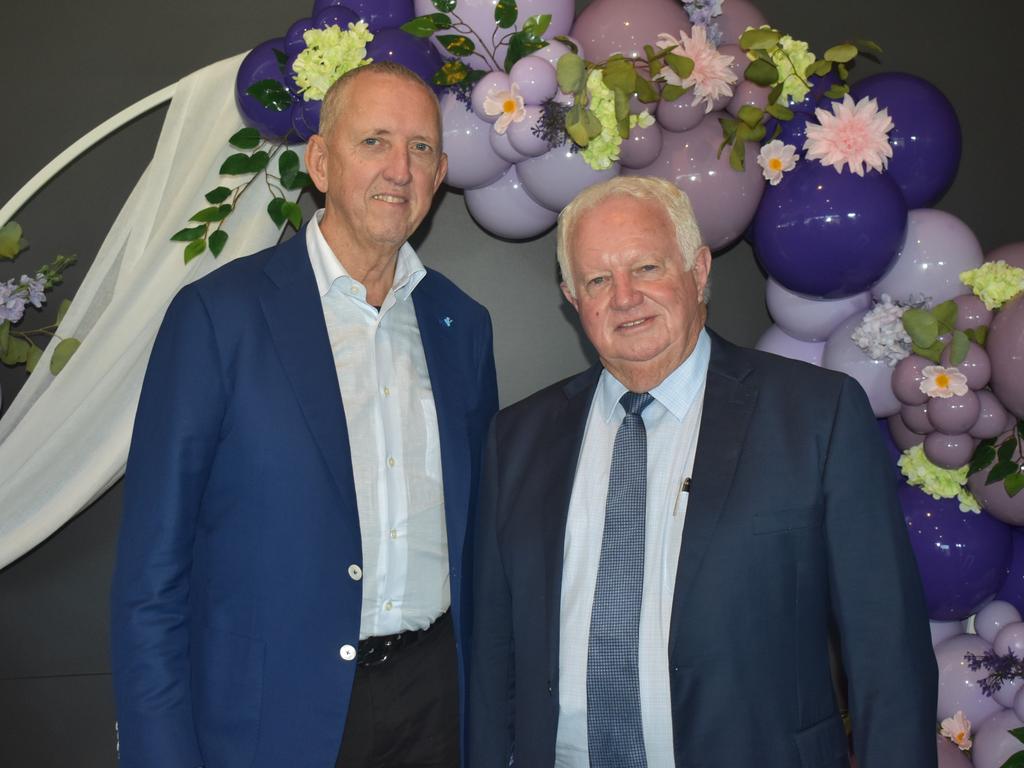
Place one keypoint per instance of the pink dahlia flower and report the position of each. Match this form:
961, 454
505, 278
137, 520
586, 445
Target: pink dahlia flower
854, 134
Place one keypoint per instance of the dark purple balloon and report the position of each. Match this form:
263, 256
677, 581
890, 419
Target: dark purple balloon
1012, 590
816, 96
294, 42
306, 118
925, 137
890, 445
962, 557
335, 15
418, 54
261, 64
829, 234
377, 14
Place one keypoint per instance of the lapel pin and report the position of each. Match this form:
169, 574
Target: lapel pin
447, 322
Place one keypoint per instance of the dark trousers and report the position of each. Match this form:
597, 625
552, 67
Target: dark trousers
405, 710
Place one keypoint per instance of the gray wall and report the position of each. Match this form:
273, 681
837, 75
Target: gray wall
70, 65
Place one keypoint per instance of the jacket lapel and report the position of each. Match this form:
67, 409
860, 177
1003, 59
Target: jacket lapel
295, 319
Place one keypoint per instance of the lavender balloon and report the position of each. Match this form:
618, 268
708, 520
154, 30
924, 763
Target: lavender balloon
557, 176
976, 366
1011, 253
902, 435
916, 418
958, 685
936, 249
641, 148
778, 342
522, 137
471, 161
504, 209
609, 26
943, 630
993, 617
971, 312
907, 378
503, 149
955, 415
950, 755
488, 86
948, 451
992, 418
736, 16
829, 234
536, 79
807, 318
1005, 346
842, 354
993, 742
962, 558
724, 201
679, 115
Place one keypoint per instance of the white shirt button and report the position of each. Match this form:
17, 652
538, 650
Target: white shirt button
388, 605
354, 289
391, 461
387, 391
355, 572
394, 533
347, 652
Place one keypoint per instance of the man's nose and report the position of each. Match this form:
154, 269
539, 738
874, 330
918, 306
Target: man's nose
624, 293
397, 170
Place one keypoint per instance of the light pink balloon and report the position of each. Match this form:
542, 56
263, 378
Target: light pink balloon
555, 50
993, 617
471, 160
807, 318
916, 418
902, 435
504, 209
1011, 253
958, 684
976, 366
907, 378
611, 26
504, 150
993, 743
971, 312
936, 249
949, 451
778, 342
641, 148
1005, 346
842, 354
679, 115
557, 176
724, 201
736, 16
950, 755
955, 415
992, 419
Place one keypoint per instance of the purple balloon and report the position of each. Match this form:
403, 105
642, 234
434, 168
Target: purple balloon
294, 43
807, 318
993, 496
376, 13
936, 249
1005, 347
1011, 253
858, 222
925, 136
976, 366
724, 201
992, 418
943, 630
907, 378
842, 354
536, 79
916, 418
1012, 590
557, 176
334, 15
1010, 638
392, 44
971, 312
679, 115
555, 50
962, 557
261, 64
611, 26
958, 685
778, 342
641, 148
489, 85
955, 415
993, 742
306, 117
504, 209
902, 435
887, 438
736, 16
521, 135
747, 93
993, 617
503, 149
950, 755
948, 451
471, 161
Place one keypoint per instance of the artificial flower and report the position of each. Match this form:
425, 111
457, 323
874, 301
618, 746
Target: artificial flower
937, 482
881, 333
775, 159
602, 150
711, 77
328, 55
12, 302
939, 381
508, 105
791, 59
702, 13
958, 730
35, 287
854, 134
995, 282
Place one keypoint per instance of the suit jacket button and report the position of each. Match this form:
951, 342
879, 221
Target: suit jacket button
355, 572
347, 652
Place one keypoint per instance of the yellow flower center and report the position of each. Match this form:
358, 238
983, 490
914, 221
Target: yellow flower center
959, 738
942, 380
775, 164
508, 106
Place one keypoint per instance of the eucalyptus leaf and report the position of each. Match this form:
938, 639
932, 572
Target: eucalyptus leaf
761, 73
5, 335
671, 92
983, 456
779, 112
933, 351
571, 71
189, 233
759, 39
62, 353
16, 352
645, 91
620, 75
235, 165
868, 47
1013, 484
446, 6
945, 314
775, 93
1001, 471
745, 133
193, 249
681, 65
288, 167
728, 128
217, 242
922, 326
837, 91
271, 94
275, 212
737, 155
978, 334
63, 310
819, 68
622, 109
247, 138
841, 53
843, 71
293, 213
575, 127
750, 115
457, 45
505, 13
592, 124
217, 195
11, 243
34, 353
958, 348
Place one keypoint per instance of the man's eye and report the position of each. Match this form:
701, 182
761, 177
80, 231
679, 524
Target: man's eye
421, 146
371, 141
596, 281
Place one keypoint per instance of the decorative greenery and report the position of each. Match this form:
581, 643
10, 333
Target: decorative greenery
1016, 760
207, 231
1007, 456
18, 346
927, 327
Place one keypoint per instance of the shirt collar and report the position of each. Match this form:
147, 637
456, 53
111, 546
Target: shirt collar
327, 269
676, 392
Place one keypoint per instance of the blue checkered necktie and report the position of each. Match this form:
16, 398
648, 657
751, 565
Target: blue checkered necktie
614, 727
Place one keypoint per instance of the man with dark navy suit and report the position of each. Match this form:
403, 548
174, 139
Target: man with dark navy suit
291, 585
664, 539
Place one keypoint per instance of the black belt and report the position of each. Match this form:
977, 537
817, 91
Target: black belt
377, 650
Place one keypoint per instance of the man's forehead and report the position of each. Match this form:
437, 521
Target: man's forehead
388, 104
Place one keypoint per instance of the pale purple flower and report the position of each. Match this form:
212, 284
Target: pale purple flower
12, 302
881, 333
36, 289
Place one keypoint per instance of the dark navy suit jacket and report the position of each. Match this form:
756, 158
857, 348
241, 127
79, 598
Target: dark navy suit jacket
231, 596
792, 522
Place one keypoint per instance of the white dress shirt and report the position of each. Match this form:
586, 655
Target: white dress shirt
393, 436
672, 422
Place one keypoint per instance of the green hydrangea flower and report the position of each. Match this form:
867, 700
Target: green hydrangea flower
329, 54
995, 283
937, 482
603, 150
791, 57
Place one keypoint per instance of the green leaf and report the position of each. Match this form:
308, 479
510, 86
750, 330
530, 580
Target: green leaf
681, 65
933, 351
1013, 484
447, 6
1006, 450
1020, 428
983, 456
62, 353
235, 165
217, 195
571, 73
619, 75
945, 313
750, 115
63, 310
275, 212
728, 128
671, 92
842, 53
737, 156
11, 242
1018, 734
575, 127
761, 73
978, 334
425, 26
568, 42
193, 249
922, 326
868, 47
34, 353
258, 161
505, 13
958, 348
213, 213
759, 39
247, 138
775, 93
745, 133
451, 73
779, 112
645, 91
843, 71
457, 45
519, 45
189, 233
293, 213
217, 242
1016, 760
301, 181
1000, 471
654, 59
5, 335
288, 167
537, 25
592, 124
819, 68
271, 94
16, 352
837, 91
282, 60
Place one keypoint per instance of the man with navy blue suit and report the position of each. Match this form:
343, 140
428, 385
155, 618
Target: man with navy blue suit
664, 539
292, 574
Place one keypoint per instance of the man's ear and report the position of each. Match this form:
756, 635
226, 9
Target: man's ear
569, 297
316, 161
702, 268
442, 171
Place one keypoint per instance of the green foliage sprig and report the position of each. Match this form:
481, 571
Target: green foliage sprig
1007, 457
207, 230
927, 327
1016, 760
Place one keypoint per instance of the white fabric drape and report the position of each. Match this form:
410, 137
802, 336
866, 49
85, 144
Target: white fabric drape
64, 440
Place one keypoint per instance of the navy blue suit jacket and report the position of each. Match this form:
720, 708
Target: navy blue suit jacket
792, 522
231, 596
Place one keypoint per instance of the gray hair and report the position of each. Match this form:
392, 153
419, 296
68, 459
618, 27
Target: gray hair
673, 201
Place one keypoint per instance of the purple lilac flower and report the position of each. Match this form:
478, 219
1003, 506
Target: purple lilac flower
12, 302
36, 289
702, 12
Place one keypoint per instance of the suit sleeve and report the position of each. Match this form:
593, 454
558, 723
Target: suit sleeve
491, 683
877, 596
173, 446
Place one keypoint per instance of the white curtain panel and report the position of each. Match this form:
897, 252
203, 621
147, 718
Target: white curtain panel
64, 439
